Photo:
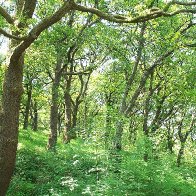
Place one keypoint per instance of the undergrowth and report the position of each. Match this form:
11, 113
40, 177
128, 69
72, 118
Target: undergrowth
85, 168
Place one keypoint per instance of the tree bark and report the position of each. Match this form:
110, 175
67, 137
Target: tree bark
60, 119
12, 91
35, 117
28, 105
183, 137
170, 135
75, 114
118, 136
54, 107
68, 135
170, 144
132, 131
108, 122
180, 154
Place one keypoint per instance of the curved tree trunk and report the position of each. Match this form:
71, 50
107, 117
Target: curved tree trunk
12, 88
12, 91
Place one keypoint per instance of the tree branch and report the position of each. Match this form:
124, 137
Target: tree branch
150, 14
143, 80
29, 8
5, 14
131, 78
180, 11
6, 34
77, 73
184, 3
36, 31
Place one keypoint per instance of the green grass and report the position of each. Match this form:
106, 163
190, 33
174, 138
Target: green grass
82, 168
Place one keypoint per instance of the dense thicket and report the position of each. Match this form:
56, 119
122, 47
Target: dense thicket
109, 82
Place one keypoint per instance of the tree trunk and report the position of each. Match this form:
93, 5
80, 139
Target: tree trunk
170, 135
132, 131
12, 87
170, 144
53, 119
59, 122
68, 134
146, 145
35, 117
75, 114
12, 91
118, 136
180, 154
54, 116
54, 105
107, 128
28, 104
124, 108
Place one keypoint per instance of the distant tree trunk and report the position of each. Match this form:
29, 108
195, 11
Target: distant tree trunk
107, 127
71, 113
118, 136
125, 109
180, 154
146, 118
28, 105
35, 117
84, 121
132, 131
71, 107
108, 120
170, 142
53, 120
54, 107
68, 135
75, 114
60, 119
183, 137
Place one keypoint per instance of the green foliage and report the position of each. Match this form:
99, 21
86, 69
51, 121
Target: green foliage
84, 168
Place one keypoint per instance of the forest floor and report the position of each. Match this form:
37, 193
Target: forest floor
85, 168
